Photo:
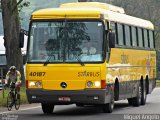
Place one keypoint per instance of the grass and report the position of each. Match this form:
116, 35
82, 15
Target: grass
3, 101
158, 83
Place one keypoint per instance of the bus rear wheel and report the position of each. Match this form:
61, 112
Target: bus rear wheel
47, 108
136, 101
144, 94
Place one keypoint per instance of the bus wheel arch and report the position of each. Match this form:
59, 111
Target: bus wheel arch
116, 89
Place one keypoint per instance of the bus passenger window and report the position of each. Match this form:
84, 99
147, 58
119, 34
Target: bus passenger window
145, 38
127, 35
140, 39
151, 41
113, 27
134, 36
120, 34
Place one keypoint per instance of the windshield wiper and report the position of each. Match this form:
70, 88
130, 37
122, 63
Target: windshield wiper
48, 60
79, 60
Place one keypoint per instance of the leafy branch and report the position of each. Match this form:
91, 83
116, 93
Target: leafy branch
20, 6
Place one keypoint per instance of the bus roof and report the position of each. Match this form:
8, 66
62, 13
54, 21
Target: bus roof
126, 19
94, 5
92, 10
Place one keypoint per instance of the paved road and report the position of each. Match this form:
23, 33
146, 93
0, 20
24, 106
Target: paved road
122, 111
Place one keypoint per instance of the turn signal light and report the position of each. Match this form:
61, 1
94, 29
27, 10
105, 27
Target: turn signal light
103, 84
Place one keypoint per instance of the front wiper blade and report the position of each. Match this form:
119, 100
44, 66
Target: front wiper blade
79, 60
48, 60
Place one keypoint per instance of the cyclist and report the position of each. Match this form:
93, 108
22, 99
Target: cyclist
13, 78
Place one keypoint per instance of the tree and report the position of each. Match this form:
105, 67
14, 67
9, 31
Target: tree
145, 9
11, 26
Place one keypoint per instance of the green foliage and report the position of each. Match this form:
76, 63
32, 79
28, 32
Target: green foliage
33, 5
24, 4
4, 100
158, 83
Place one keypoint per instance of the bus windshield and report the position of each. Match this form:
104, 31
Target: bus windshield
66, 41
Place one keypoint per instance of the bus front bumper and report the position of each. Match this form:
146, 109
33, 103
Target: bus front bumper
57, 97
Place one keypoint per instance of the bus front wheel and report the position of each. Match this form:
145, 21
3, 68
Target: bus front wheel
130, 101
47, 108
79, 105
108, 107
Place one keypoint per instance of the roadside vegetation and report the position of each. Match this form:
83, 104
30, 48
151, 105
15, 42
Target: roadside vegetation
3, 101
158, 83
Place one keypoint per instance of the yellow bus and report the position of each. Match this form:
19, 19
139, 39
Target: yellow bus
89, 54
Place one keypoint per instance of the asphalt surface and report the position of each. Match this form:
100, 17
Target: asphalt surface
122, 111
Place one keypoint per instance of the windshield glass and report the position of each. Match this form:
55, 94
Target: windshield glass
66, 41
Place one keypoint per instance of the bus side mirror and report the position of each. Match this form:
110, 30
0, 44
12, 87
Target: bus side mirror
112, 40
21, 40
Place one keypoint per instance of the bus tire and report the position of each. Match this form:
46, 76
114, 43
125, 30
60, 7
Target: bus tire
144, 93
137, 100
79, 105
130, 101
108, 107
116, 90
47, 108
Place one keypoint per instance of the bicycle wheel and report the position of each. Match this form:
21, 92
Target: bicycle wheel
17, 101
9, 101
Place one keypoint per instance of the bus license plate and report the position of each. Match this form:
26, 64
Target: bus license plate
64, 99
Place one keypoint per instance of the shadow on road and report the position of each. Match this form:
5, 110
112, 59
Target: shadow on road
75, 113
87, 110
82, 111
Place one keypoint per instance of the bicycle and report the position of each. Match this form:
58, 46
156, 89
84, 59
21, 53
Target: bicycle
13, 98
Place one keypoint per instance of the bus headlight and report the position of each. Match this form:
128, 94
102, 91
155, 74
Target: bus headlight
89, 83
97, 83
31, 84
35, 84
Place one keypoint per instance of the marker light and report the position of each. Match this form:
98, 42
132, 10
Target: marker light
103, 84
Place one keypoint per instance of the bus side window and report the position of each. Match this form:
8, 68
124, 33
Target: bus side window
113, 27
120, 34
140, 38
145, 38
127, 35
134, 36
151, 39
